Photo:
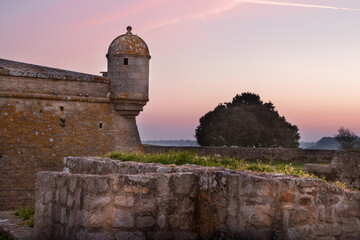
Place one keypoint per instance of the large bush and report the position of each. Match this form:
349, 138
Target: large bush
246, 122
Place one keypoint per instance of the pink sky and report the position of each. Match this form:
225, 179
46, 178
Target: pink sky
302, 55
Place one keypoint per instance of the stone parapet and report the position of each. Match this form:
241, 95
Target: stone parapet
99, 198
345, 167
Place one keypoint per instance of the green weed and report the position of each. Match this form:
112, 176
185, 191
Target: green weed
3, 236
190, 157
26, 214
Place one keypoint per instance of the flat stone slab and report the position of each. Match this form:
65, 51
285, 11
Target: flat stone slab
13, 226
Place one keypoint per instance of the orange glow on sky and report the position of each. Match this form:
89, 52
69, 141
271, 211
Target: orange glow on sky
302, 55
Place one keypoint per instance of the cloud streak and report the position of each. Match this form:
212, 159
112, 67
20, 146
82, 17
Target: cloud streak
296, 5
202, 15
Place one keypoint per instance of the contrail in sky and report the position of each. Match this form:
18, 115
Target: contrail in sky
296, 5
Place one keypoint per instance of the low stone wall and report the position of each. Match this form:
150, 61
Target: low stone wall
108, 199
345, 167
273, 154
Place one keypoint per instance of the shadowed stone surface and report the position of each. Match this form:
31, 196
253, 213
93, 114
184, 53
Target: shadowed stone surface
189, 202
345, 167
13, 227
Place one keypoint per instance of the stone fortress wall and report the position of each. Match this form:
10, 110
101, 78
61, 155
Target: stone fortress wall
47, 114
334, 165
344, 166
247, 153
99, 198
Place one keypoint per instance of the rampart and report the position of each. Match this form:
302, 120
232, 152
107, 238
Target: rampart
47, 114
99, 198
269, 154
345, 166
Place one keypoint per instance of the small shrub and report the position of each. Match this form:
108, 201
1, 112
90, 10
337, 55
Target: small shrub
26, 214
260, 167
340, 184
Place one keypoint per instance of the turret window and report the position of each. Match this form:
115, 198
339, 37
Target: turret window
126, 61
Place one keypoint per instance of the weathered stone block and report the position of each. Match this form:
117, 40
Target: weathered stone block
299, 217
92, 202
94, 220
139, 178
136, 190
259, 216
72, 183
123, 218
185, 236
183, 183
61, 180
161, 235
305, 201
161, 221
124, 201
327, 199
63, 215
146, 205
163, 188
130, 236
70, 200
324, 229
350, 224
288, 197
328, 214
63, 196
71, 219
145, 221
295, 234
99, 236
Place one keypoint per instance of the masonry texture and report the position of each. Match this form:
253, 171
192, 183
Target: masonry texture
47, 114
99, 198
345, 167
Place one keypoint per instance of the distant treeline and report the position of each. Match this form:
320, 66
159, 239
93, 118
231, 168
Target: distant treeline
327, 143
183, 143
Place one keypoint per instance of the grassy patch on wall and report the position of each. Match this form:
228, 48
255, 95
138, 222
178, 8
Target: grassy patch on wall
26, 214
190, 157
3, 236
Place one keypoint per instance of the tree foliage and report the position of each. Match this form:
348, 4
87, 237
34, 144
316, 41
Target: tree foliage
246, 121
346, 138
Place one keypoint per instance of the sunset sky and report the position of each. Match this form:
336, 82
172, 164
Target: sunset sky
303, 55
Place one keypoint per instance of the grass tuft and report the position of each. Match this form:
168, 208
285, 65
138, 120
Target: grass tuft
26, 214
3, 236
190, 157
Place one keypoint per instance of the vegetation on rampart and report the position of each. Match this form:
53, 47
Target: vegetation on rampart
3, 236
190, 157
26, 214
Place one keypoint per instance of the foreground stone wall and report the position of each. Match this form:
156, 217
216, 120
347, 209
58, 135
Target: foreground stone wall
105, 199
344, 167
273, 154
